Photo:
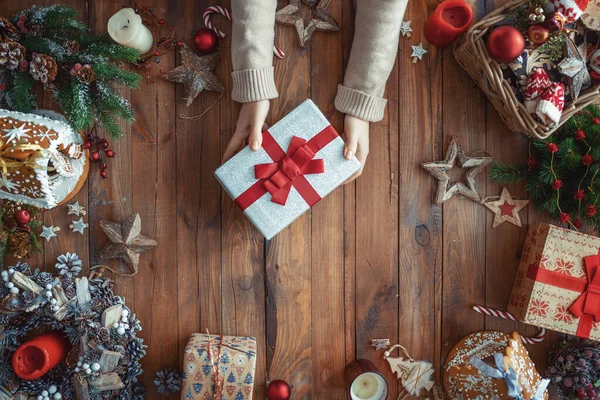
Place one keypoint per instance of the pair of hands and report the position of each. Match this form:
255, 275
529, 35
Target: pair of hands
251, 124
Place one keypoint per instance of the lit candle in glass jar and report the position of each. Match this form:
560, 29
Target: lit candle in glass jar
368, 386
127, 29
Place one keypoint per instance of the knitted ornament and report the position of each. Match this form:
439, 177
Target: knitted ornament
571, 9
551, 104
537, 83
42, 161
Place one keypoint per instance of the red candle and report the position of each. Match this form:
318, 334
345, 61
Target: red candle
35, 358
448, 21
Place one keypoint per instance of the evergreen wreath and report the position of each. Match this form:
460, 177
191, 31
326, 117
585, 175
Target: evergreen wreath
57, 307
50, 46
562, 173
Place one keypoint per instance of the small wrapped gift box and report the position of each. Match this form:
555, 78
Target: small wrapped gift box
219, 367
300, 162
557, 286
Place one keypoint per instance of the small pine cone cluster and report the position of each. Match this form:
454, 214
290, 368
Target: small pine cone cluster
85, 74
12, 54
43, 68
20, 244
6, 28
72, 47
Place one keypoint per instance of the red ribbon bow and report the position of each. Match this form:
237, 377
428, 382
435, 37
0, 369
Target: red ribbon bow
280, 176
587, 306
288, 169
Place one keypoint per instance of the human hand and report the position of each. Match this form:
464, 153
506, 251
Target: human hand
356, 131
250, 124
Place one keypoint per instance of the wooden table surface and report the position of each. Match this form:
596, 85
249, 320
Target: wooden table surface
375, 259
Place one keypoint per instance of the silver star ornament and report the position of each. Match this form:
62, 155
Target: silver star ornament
418, 52
76, 209
574, 67
79, 226
48, 232
405, 29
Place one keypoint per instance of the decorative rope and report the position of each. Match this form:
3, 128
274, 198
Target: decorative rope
99, 269
227, 14
506, 315
197, 117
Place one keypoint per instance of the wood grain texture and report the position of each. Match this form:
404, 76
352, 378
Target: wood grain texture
375, 259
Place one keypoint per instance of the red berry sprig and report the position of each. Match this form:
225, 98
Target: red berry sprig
97, 145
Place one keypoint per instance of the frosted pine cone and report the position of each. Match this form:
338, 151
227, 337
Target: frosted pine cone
85, 74
20, 244
168, 381
72, 47
11, 54
44, 278
68, 265
43, 68
6, 28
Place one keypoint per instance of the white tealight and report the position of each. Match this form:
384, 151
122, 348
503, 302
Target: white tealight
368, 386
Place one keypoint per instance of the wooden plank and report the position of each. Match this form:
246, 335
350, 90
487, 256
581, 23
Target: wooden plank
464, 221
289, 253
242, 255
327, 275
417, 109
154, 154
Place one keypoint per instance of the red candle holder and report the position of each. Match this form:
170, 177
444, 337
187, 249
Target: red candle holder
448, 21
35, 358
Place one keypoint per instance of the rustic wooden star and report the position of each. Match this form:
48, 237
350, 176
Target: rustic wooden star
574, 67
438, 169
126, 242
195, 73
321, 21
506, 209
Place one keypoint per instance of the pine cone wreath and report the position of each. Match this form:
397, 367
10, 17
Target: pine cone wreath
19, 243
6, 28
72, 47
43, 68
11, 54
85, 74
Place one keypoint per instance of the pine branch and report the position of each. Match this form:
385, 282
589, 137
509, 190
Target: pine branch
20, 97
107, 123
506, 173
109, 100
113, 51
109, 72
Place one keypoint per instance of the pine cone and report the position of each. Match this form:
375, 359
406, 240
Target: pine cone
37, 30
168, 381
20, 244
43, 68
6, 28
11, 54
72, 47
85, 74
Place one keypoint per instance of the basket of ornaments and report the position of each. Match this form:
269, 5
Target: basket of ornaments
537, 61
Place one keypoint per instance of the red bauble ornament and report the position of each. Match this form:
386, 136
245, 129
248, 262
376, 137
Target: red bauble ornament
505, 44
95, 156
206, 41
538, 34
278, 390
22, 217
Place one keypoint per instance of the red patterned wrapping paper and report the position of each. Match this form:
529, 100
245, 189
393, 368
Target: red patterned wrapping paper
556, 287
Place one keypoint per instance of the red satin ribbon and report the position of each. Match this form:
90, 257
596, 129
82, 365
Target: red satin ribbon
587, 305
288, 169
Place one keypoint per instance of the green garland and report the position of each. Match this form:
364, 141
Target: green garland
85, 99
562, 173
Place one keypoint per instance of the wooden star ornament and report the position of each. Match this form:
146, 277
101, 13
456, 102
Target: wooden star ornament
321, 20
126, 242
195, 73
506, 209
439, 170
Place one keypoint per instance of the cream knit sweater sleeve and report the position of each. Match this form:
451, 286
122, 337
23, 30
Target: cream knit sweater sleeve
252, 50
374, 48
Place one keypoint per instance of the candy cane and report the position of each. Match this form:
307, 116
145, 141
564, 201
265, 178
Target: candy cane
225, 12
506, 315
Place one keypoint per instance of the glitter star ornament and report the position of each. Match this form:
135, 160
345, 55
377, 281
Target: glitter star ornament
439, 170
574, 67
126, 242
380, 344
76, 209
49, 232
195, 73
506, 209
320, 21
418, 52
405, 29
79, 226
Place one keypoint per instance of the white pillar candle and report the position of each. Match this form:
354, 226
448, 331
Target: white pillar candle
127, 29
368, 386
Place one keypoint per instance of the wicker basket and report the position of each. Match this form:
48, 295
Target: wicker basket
471, 53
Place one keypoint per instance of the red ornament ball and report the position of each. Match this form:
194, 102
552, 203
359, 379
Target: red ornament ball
206, 41
278, 390
95, 156
22, 217
505, 44
538, 34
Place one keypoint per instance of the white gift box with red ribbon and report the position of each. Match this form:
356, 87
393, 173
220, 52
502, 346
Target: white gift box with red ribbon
300, 162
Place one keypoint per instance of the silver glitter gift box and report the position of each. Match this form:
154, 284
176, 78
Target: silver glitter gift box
300, 162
